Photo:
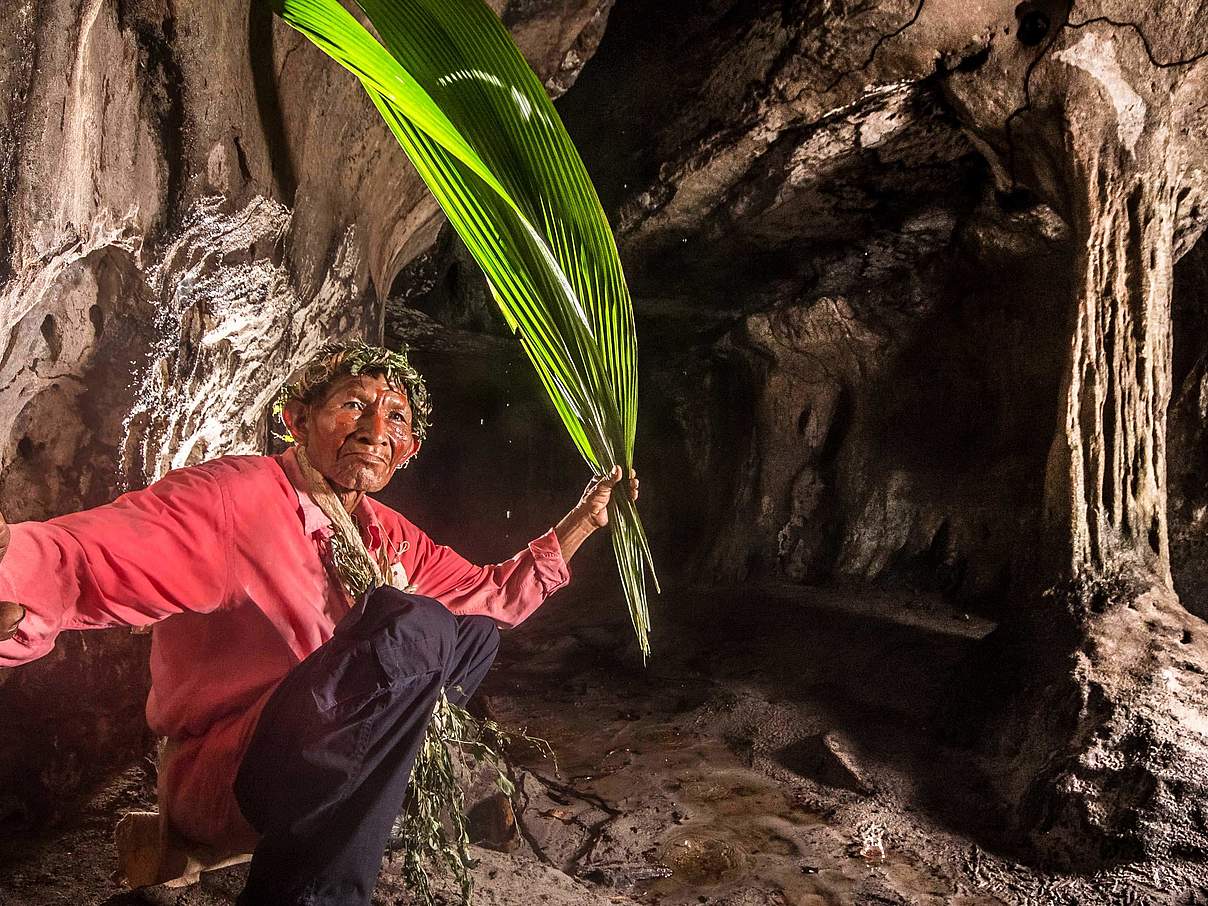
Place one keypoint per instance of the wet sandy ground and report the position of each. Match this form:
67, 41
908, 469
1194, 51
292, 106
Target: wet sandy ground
778, 749
781, 747
767, 754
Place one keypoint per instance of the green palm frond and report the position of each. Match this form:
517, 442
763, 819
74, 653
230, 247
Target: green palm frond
481, 131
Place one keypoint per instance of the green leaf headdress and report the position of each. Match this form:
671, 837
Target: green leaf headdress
354, 358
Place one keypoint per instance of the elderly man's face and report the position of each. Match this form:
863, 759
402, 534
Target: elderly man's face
357, 434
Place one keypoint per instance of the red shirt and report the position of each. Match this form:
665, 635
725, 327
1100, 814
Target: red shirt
226, 558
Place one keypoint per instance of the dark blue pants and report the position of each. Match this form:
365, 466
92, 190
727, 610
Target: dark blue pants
327, 768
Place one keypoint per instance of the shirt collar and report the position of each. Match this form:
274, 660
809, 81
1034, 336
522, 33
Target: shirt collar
314, 519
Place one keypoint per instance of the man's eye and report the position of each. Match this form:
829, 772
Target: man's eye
355, 404
399, 417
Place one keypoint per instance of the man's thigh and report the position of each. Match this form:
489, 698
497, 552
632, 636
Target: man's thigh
342, 708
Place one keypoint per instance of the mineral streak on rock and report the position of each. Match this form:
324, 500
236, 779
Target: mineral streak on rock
230, 320
1098, 58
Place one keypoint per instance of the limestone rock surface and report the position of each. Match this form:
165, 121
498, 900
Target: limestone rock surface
857, 238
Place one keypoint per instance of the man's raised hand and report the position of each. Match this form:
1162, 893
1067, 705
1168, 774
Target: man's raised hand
11, 614
591, 512
598, 493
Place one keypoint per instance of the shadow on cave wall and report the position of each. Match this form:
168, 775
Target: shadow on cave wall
1186, 437
851, 374
861, 438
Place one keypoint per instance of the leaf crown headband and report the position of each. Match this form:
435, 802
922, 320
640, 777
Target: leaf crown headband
337, 359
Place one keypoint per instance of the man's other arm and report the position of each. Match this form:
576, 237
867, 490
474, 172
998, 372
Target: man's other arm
144, 557
509, 592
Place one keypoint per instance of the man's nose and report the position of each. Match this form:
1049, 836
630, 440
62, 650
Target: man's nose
371, 426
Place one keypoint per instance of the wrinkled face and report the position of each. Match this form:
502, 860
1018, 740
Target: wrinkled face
357, 434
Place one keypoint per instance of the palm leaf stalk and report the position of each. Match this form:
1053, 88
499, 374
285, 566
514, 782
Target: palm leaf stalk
479, 128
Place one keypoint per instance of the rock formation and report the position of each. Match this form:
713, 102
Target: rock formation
1040, 474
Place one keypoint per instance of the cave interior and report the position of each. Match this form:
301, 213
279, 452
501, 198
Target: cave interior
887, 667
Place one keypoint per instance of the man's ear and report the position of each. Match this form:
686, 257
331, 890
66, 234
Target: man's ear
296, 420
414, 450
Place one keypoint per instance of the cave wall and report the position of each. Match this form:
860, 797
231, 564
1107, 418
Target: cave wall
866, 394
851, 318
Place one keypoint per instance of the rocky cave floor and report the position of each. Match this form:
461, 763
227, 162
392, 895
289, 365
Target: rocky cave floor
778, 749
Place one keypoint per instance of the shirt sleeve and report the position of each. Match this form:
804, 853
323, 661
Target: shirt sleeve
506, 592
148, 555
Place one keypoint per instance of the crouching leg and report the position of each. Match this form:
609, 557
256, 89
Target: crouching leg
328, 765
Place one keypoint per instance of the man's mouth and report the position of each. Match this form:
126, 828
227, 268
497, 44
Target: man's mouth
365, 454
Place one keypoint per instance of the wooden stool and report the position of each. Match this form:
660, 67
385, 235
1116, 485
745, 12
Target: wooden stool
149, 852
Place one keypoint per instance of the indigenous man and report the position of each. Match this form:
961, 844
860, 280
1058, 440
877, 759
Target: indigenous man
304, 632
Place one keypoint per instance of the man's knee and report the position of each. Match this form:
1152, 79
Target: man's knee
479, 633
388, 606
429, 615
408, 623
